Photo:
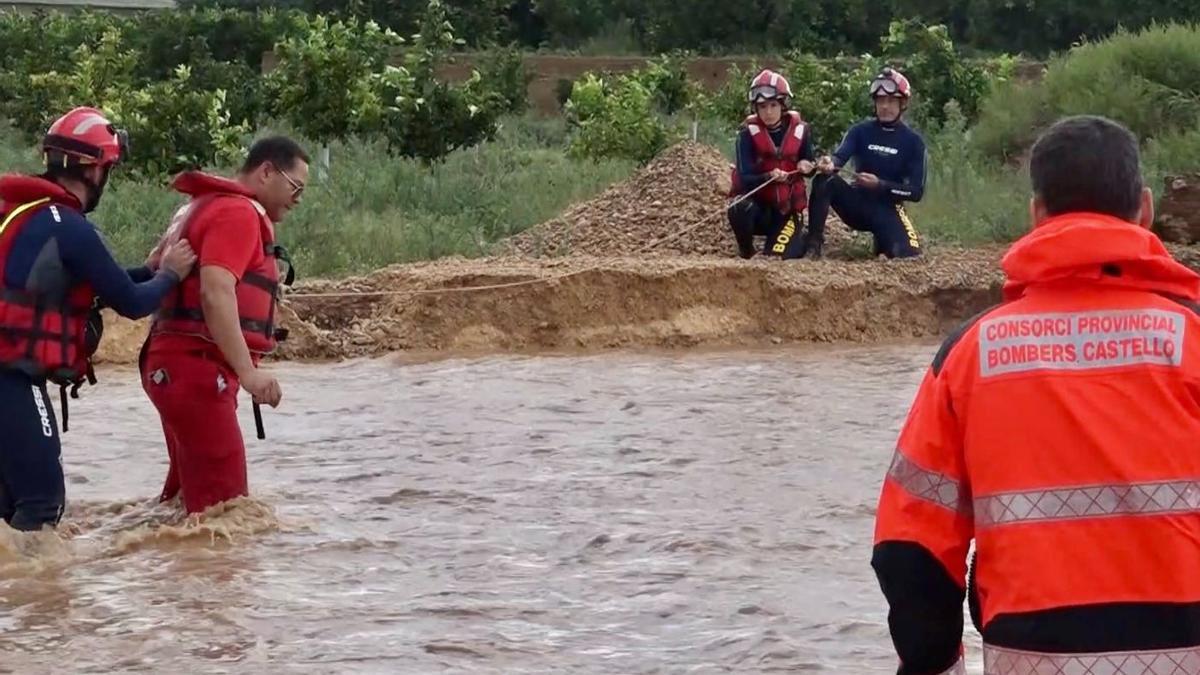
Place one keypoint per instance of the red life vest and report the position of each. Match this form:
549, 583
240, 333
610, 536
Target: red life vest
43, 333
258, 290
789, 196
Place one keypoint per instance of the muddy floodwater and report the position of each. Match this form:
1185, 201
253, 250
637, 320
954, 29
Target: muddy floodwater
617, 513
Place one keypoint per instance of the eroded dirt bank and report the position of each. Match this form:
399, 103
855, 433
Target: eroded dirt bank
606, 303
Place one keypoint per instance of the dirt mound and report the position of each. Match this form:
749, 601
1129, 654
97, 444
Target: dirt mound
587, 303
1179, 210
677, 189
457, 306
682, 189
597, 303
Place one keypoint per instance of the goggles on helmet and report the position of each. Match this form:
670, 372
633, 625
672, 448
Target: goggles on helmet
764, 93
884, 85
122, 143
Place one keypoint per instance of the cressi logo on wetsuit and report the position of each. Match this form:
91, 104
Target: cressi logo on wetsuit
43, 413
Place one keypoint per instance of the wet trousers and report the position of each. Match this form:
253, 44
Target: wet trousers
32, 490
750, 218
196, 398
894, 233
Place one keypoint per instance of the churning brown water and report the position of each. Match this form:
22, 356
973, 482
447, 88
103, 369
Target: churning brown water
631, 513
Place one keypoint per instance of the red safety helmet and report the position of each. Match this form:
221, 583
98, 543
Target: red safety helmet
890, 82
84, 136
769, 85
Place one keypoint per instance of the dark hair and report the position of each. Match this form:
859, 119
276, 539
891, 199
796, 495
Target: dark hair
278, 150
1087, 163
55, 170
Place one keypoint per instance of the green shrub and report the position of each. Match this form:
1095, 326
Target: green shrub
667, 80
588, 99
938, 72
177, 126
616, 121
172, 124
327, 57
424, 118
506, 75
170, 39
830, 97
968, 199
41, 42
1148, 80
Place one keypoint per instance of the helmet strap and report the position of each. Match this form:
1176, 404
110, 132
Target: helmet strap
95, 191
59, 167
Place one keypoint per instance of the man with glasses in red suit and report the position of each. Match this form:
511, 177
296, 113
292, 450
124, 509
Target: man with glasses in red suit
207, 339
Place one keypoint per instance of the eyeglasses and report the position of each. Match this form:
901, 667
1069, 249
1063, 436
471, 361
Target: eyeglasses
297, 188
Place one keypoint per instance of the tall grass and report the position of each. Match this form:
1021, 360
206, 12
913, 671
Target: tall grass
969, 199
374, 210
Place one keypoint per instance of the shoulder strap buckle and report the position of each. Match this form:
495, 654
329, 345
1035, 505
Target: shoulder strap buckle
278, 252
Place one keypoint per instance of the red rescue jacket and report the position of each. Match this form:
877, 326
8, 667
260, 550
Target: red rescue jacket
41, 334
257, 291
1059, 431
789, 196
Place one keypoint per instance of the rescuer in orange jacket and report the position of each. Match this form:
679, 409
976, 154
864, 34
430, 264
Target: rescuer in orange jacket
207, 339
1059, 431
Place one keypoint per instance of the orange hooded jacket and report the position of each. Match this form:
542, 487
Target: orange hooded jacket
1059, 430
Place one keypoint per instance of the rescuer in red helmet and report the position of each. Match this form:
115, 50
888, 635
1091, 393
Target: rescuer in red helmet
774, 146
55, 274
889, 158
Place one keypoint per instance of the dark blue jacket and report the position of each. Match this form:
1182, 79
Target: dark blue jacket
896, 154
58, 239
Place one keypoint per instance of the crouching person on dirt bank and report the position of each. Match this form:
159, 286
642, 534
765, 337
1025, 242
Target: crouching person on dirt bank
56, 271
774, 146
206, 341
889, 158
1086, 514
